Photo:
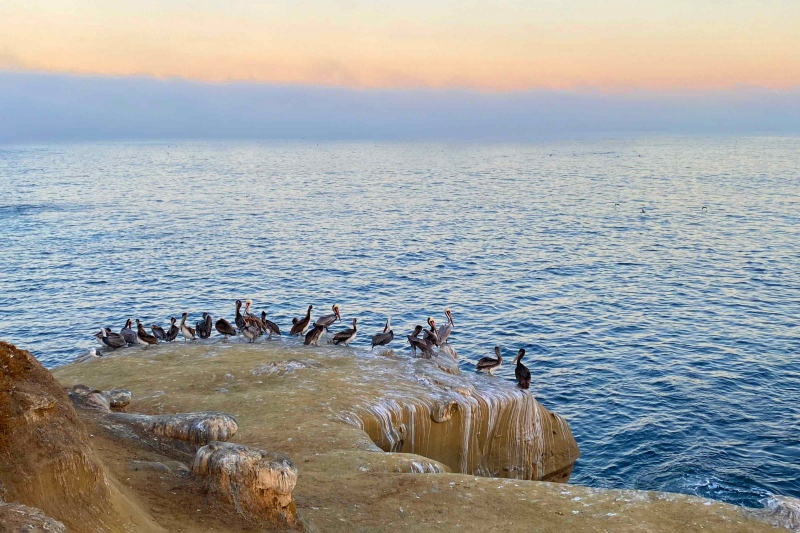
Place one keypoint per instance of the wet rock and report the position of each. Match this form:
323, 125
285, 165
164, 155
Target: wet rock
258, 483
281, 368
781, 511
15, 517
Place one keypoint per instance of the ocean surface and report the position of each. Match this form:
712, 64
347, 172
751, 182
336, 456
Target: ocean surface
669, 339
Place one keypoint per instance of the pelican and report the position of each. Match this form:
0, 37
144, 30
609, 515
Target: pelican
145, 339
186, 331
203, 327
173, 331
224, 328
431, 335
312, 337
247, 312
252, 331
382, 339
239, 318
112, 340
490, 364
301, 326
416, 342
521, 372
327, 320
347, 336
270, 327
128, 334
158, 332
447, 328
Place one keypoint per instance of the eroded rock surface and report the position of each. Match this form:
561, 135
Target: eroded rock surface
258, 483
18, 518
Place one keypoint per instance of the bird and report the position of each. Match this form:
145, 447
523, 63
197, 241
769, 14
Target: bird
704, 208
416, 342
145, 339
128, 334
346, 336
447, 328
301, 326
186, 331
490, 364
270, 327
203, 327
252, 331
247, 312
312, 337
224, 328
173, 331
158, 332
382, 339
522, 373
431, 335
327, 320
643, 210
112, 340
240, 324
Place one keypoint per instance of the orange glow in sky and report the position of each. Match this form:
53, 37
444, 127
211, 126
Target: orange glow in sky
502, 45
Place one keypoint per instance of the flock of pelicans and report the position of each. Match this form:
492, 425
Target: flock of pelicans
253, 326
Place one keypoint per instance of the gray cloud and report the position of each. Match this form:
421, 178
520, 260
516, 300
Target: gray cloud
49, 107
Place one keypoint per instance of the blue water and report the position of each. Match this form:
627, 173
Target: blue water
668, 339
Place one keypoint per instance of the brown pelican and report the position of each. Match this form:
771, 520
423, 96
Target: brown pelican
312, 337
224, 328
247, 313
431, 335
416, 342
327, 320
128, 334
112, 340
490, 364
270, 327
521, 372
347, 336
252, 331
301, 326
203, 327
239, 318
447, 328
382, 339
186, 331
145, 338
158, 332
173, 331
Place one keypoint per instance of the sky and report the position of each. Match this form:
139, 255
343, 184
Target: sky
687, 56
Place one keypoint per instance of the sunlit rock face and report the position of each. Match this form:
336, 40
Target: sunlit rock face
258, 483
46, 461
474, 424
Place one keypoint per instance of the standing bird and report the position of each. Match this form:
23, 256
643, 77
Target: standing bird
173, 331
186, 331
382, 339
312, 337
431, 335
252, 331
204, 326
447, 328
301, 326
521, 372
327, 320
490, 364
247, 312
128, 334
270, 327
158, 332
240, 324
145, 338
416, 342
224, 328
347, 336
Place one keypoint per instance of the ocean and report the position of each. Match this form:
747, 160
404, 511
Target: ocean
654, 281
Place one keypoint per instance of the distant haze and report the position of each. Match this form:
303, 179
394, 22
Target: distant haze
37, 107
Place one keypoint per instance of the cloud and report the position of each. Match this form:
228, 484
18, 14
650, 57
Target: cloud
37, 107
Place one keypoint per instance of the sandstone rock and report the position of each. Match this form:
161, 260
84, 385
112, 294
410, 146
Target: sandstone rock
258, 483
18, 518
